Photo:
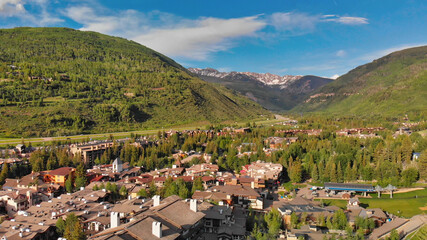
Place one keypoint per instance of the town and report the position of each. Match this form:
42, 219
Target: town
285, 181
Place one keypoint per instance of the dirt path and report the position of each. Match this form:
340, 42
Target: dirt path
404, 190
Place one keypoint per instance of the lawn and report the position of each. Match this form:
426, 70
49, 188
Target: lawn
402, 204
420, 234
102, 136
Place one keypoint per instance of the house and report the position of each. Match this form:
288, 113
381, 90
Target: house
171, 218
202, 170
59, 175
416, 155
224, 222
299, 206
353, 203
236, 195
271, 172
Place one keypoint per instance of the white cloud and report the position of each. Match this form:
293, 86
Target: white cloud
10, 8
40, 16
168, 34
201, 37
345, 20
341, 53
335, 76
290, 21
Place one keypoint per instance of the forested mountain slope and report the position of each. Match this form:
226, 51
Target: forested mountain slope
392, 85
56, 81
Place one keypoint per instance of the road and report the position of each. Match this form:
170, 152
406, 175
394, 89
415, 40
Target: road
100, 136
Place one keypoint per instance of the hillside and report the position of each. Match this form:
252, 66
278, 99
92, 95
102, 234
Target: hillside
58, 81
392, 85
276, 93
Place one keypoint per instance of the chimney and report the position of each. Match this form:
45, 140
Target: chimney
115, 220
30, 200
253, 184
193, 205
156, 199
157, 229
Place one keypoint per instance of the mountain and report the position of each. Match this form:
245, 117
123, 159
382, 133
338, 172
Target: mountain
392, 85
274, 92
59, 81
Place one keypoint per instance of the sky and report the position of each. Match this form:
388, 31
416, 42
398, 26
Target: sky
285, 37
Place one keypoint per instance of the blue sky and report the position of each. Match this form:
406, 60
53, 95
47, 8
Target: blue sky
319, 37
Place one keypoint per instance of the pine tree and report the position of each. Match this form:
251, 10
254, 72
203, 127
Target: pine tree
422, 165
4, 173
315, 173
340, 177
296, 172
406, 150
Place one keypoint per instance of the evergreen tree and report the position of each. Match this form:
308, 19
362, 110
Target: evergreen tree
197, 185
60, 226
81, 179
69, 185
4, 173
315, 173
296, 172
123, 191
422, 165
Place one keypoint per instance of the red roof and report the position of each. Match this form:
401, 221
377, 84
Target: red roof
64, 171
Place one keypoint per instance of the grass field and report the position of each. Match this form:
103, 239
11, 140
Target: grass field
420, 234
402, 204
103, 136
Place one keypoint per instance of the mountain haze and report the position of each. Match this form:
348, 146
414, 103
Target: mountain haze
392, 85
59, 81
274, 92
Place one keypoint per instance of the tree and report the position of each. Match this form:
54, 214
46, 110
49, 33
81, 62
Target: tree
60, 226
77, 233
296, 172
315, 173
81, 179
422, 165
73, 229
197, 185
394, 235
123, 191
69, 185
4, 173
274, 222
409, 176
294, 220
339, 220
143, 193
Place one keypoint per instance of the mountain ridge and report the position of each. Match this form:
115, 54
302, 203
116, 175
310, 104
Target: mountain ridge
393, 84
274, 92
61, 81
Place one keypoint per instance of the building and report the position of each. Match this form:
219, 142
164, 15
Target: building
224, 222
59, 175
233, 195
202, 170
271, 172
349, 187
299, 206
91, 151
171, 218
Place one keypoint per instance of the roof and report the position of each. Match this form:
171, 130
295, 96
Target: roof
178, 213
349, 187
64, 171
387, 227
